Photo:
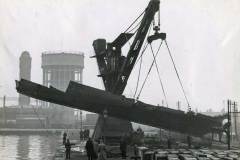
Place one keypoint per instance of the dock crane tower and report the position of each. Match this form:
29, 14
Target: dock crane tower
115, 69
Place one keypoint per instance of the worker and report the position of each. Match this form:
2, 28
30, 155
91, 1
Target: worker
189, 141
81, 135
64, 138
123, 147
90, 149
95, 149
169, 143
86, 133
136, 151
102, 150
136, 155
68, 148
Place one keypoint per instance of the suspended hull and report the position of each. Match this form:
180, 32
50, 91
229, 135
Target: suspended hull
98, 101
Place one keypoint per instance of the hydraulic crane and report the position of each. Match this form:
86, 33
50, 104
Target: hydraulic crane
115, 69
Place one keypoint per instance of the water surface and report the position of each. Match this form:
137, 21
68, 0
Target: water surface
28, 147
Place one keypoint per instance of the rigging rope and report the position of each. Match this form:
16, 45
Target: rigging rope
135, 27
146, 45
175, 68
139, 72
149, 70
133, 33
140, 58
134, 21
159, 77
159, 15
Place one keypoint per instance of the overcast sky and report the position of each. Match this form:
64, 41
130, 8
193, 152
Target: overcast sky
203, 36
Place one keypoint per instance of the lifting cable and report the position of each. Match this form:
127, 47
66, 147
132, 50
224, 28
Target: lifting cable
133, 27
140, 58
159, 77
134, 22
133, 33
139, 72
159, 15
175, 68
145, 46
144, 49
140, 67
144, 82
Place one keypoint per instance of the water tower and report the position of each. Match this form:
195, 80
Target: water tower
58, 69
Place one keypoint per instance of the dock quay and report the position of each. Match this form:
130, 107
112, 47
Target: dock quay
178, 152
166, 154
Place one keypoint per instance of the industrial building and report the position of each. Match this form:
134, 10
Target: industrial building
58, 69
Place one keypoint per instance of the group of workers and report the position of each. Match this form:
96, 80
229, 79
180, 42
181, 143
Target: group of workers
67, 144
84, 134
95, 149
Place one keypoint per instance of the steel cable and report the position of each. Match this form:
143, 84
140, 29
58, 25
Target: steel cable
175, 68
159, 77
139, 72
144, 82
134, 21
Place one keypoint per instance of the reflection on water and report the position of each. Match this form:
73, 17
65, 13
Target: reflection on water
28, 147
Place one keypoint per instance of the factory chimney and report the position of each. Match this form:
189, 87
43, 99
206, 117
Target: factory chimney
25, 73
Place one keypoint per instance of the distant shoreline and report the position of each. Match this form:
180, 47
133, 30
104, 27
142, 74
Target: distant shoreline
17, 131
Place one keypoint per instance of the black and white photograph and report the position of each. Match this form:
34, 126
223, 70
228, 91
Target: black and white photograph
119, 79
